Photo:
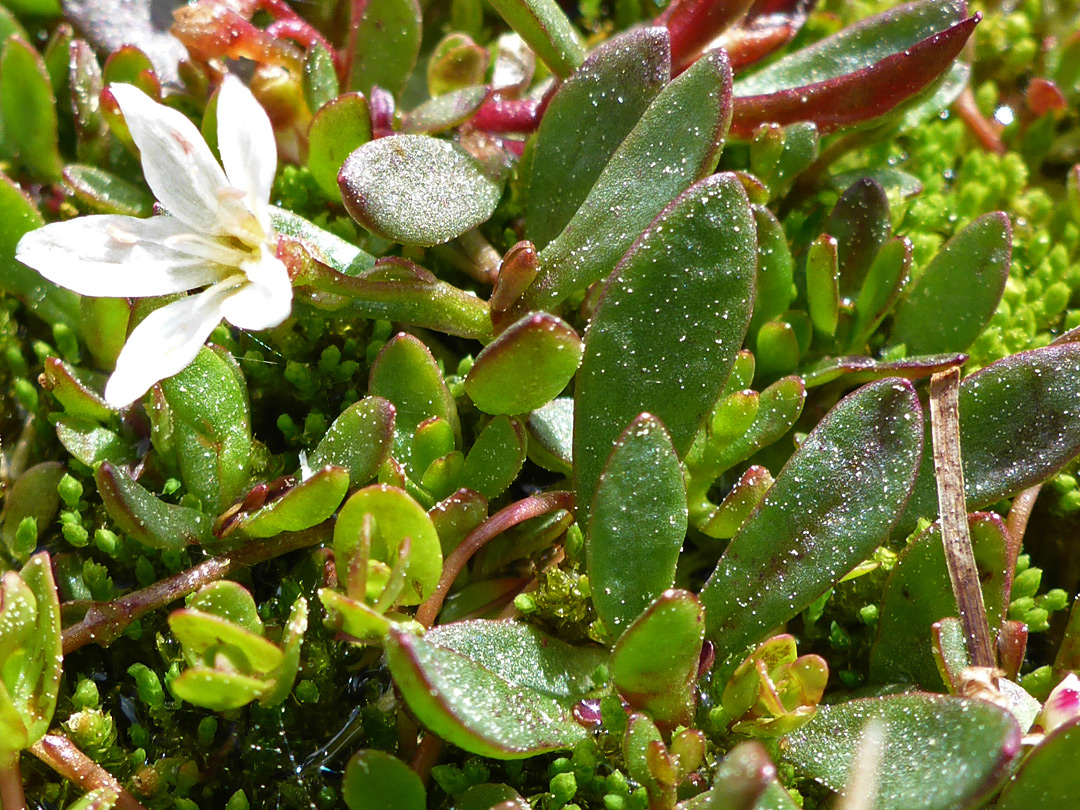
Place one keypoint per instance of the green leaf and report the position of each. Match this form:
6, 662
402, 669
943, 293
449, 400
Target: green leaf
496, 457
291, 640
446, 111
526, 366
1048, 779
198, 632
546, 29
332, 250
105, 193
940, 752
956, 295
1018, 426
775, 284
832, 504
676, 142
637, 524
91, 443
590, 114
823, 286
385, 42
216, 689
474, 708
74, 395
375, 780
859, 368
551, 435
305, 505
396, 516
524, 654
860, 223
18, 216
320, 78
881, 288
655, 662
211, 423
695, 264
28, 110
919, 593
146, 518
359, 440
405, 373
339, 127
417, 190
32, 495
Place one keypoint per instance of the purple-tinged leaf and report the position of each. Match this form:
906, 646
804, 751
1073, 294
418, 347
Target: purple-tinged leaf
861, 73
726, 519
446, 111
859, 368
637, 524
860, 223
590, 114
475, 708
1048, 779
694, 24
835, 501
145, 518
695, 265
675, 143
768, 25
655, 661
918, 593
1019, 424
308, 503
940, 752
954, 297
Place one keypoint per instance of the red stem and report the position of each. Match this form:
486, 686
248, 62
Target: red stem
475, 540
60, 754
498, 114
11, 790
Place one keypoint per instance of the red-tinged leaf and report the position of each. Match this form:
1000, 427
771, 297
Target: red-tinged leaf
860, 369
865, 71
694, 24
767, 25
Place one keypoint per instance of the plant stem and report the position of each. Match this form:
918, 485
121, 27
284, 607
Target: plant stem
11, 789
495, 525
61, 754
104, 622
952, 504
1016, 523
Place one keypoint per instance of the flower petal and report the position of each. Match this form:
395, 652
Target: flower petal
178, 165
164, 343
116, 256
266, 300
247, 146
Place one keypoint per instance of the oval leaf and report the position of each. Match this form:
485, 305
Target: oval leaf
359, 440
375, 780
144, 517
385, 42
308, 503
831, 506
416, 190
342, 125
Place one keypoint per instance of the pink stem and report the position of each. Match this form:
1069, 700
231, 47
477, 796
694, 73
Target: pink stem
11, 790
507, 115
61, 754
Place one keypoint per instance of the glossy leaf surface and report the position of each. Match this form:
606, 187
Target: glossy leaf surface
677, 141
476, 709
940, 752
1048, 778
655, 661
696, 265
308, 503
637, 523
146, 518
526, 366
342, 125
359, 440
956, 295
832, 504
495, 458
545, 28
416, 190
586, 120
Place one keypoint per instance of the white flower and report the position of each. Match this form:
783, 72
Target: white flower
1063, 704
218, 236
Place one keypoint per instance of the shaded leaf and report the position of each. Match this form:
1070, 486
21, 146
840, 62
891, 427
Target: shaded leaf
375, 780
495, 458
146, 518
385, 42
1048, 779
339, 127
546, 29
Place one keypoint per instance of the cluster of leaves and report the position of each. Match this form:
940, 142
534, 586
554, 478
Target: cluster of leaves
606, 367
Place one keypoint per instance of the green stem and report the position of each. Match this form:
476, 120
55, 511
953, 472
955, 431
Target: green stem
11, 789
104, 622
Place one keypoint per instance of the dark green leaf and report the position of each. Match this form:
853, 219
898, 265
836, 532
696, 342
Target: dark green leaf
546, 29
375, 780
495, 458
28, 110
775, 285
385, 42
308, 503
860, 224
339, 127
1048, 779
145, 518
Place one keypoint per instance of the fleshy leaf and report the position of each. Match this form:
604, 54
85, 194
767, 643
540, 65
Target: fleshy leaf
417, 190
359, 440
859, 74
105, 193
860, 368
551, 435
880, 289
586, 120
526, 366
1048, 779
308, 503
495, 458
940, 753
694, 24
768, 25
446, 111
375, 780
28, 109
385, 42
1018, 425
919, 593
146, 518
955, 296
216, 689
32, 495
655, 661
547, 30
521, 653
676, 142
832, 504
860, 224
474, 708
696, 265
338, 128
637, 523
396, 517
